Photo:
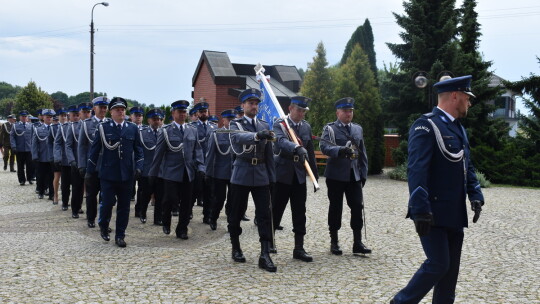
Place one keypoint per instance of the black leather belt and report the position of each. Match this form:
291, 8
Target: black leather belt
252, 160
292, 157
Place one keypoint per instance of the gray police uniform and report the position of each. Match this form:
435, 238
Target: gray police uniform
42, 153
77, 181
201, 192
178, 157
60, 158
21, 144
253, 171
344, 175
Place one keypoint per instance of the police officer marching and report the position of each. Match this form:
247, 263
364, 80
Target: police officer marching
77, 115
42, 154
148, 136
60, 156
86, 138
290, 172
253, 171
136, 117
5, 142
178, 157
218, 165
441, 176
21, 144
346, 173
119, 144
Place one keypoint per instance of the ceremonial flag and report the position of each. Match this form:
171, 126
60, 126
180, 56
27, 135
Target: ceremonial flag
269, 107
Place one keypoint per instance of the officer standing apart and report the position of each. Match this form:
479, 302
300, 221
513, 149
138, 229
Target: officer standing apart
177, 159
5, 142
149, 135
86, 138
119, 143
346, 173
441, 176
253, 171
21, 144
291, 173
42, 154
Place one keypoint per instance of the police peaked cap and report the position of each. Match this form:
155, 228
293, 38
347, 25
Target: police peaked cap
11, 116
117, 102
201, 106
213, 118
461, 84
23, 113
229, 113
155, 113
134, 110
345, 103
73, 108
85, 106
250, 94
301, 101
100, 101
180, 105
48, 112
61, 111
239, 109
192, 111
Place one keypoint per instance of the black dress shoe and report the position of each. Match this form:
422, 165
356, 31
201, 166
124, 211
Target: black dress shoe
46, 192
174, 213
334, 248
75, 215
143, 219
245, 218
213, 225
120, 242
40, 196
13, 170
265, 262
166, 230
22, 184
109, 229
279, 227
158, 223
182, 235
64, 208
91, 224
30, 182
105, 234
301, 254
238, 256
52, 199
81, 211
206, 220
359, 247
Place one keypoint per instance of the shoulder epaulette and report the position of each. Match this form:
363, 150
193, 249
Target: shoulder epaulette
166, 126
429, 115
331, 123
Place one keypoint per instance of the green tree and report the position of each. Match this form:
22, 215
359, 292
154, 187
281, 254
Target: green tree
356, 79
61, 99
6, 106
32, 98
318, 86
363, 36
82, 97
7, 90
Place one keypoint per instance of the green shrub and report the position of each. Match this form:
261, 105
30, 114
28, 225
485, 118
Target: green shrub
399, 172
484, 182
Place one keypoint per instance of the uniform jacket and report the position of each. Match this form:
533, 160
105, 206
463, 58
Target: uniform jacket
202, 135
21, 137
42, 144
171, 165
284, 152
72, 140
338, 168
86, 138
5, 129
118, 164
436, 184
219, 157
254, 161
148, 140
59, 147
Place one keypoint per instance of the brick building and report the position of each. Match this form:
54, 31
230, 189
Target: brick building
219, 81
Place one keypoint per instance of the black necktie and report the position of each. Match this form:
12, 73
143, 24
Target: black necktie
296, 127
119, 127
348, 128
253, 124
204, 126
155, 133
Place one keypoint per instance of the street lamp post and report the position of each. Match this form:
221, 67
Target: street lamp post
421, 80
92, 49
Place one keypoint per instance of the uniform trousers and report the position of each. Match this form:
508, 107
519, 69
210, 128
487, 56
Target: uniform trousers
77, 188
44, 178
353, 193
92, 189
220, 194
261, 198
119, 193
9, 156
143, 199
24, 161
65, 181
175, 193
297, 193
442, 247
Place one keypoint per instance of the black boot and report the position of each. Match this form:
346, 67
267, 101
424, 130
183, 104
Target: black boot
237, 254
299, 253
334, 243
358, 246
265, 262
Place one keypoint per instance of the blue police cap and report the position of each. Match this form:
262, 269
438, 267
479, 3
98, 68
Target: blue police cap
61, 111
461, 84
250, 94
85, 106
134, 110
23, 113
201, 106
39, 112
73, 108
48, 112
301, 101
100, 101
55, 118
34, 119
155, 113
180, 105
192, 111
239, 109
345, 103
117, 102
213, 118
228, 113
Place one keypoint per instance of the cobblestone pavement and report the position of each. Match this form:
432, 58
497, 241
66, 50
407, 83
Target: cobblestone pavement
48, 257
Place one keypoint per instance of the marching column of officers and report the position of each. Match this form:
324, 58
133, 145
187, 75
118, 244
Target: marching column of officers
182, 164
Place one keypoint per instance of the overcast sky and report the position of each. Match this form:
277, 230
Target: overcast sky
148, 50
